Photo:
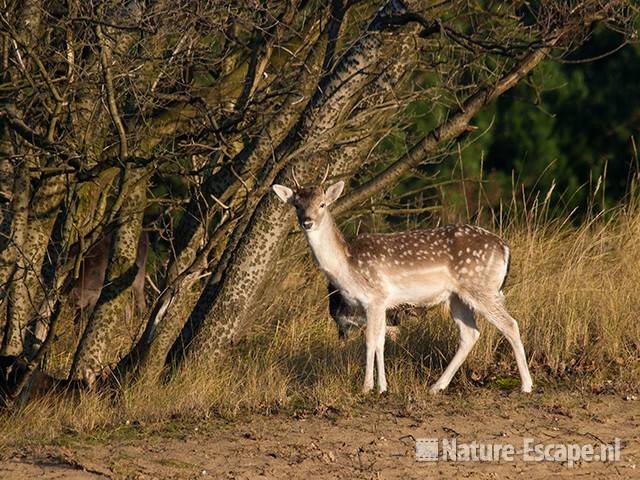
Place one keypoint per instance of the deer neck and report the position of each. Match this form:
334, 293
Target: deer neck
330, 251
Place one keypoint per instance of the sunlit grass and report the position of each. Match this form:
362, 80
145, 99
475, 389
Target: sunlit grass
573, 289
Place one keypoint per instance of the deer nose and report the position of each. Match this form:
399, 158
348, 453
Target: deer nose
307, 223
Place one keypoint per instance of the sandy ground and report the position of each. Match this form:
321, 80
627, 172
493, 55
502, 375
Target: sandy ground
376, 441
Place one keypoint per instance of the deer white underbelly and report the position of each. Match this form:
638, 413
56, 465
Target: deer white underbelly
422, 287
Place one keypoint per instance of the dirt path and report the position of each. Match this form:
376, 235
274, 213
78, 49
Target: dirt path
374, 442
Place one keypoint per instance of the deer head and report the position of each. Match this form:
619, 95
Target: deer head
310, 202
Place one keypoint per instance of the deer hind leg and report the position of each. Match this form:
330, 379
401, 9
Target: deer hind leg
375, 336
469, 333
494, 311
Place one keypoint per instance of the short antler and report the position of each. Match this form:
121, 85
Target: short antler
295, 180
326, 174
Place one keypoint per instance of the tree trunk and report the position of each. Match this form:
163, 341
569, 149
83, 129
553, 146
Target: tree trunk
26, 291
12, 342
95, 351
169, 318
258, 250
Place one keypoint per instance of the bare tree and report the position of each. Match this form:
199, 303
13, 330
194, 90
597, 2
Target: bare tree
176, 117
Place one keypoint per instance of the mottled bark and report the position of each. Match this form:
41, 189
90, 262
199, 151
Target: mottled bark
95, 351
7, 208
14, 181
26, 290
6, 153
171, 314
224, 184
12, 268
27, 295
90, 117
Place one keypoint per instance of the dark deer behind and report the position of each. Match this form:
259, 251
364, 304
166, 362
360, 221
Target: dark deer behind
82, 294
85, 291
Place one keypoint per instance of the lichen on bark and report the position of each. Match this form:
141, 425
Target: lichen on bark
95, 351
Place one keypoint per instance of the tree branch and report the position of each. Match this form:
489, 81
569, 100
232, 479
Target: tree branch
105, 62
31, 136
455, 125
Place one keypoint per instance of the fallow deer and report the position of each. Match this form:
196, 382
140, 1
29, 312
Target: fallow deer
83, 294
349, 317
84, 291
463, 265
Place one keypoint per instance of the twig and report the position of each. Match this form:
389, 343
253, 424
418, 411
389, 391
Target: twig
105, 62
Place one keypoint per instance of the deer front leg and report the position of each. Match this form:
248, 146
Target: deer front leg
375, 336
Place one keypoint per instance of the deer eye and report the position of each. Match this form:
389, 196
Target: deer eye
322, 205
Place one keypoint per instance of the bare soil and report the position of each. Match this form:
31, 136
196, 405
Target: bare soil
374, 440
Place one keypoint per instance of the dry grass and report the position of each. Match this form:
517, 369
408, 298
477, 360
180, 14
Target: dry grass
574, 290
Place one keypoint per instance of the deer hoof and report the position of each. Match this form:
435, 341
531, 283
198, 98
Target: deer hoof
367, 389
436, 390
526, 388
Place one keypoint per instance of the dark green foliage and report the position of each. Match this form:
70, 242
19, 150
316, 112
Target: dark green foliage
567, 125
571, 122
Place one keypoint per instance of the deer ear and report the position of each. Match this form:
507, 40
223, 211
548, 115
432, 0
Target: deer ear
333, 192
284, 193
